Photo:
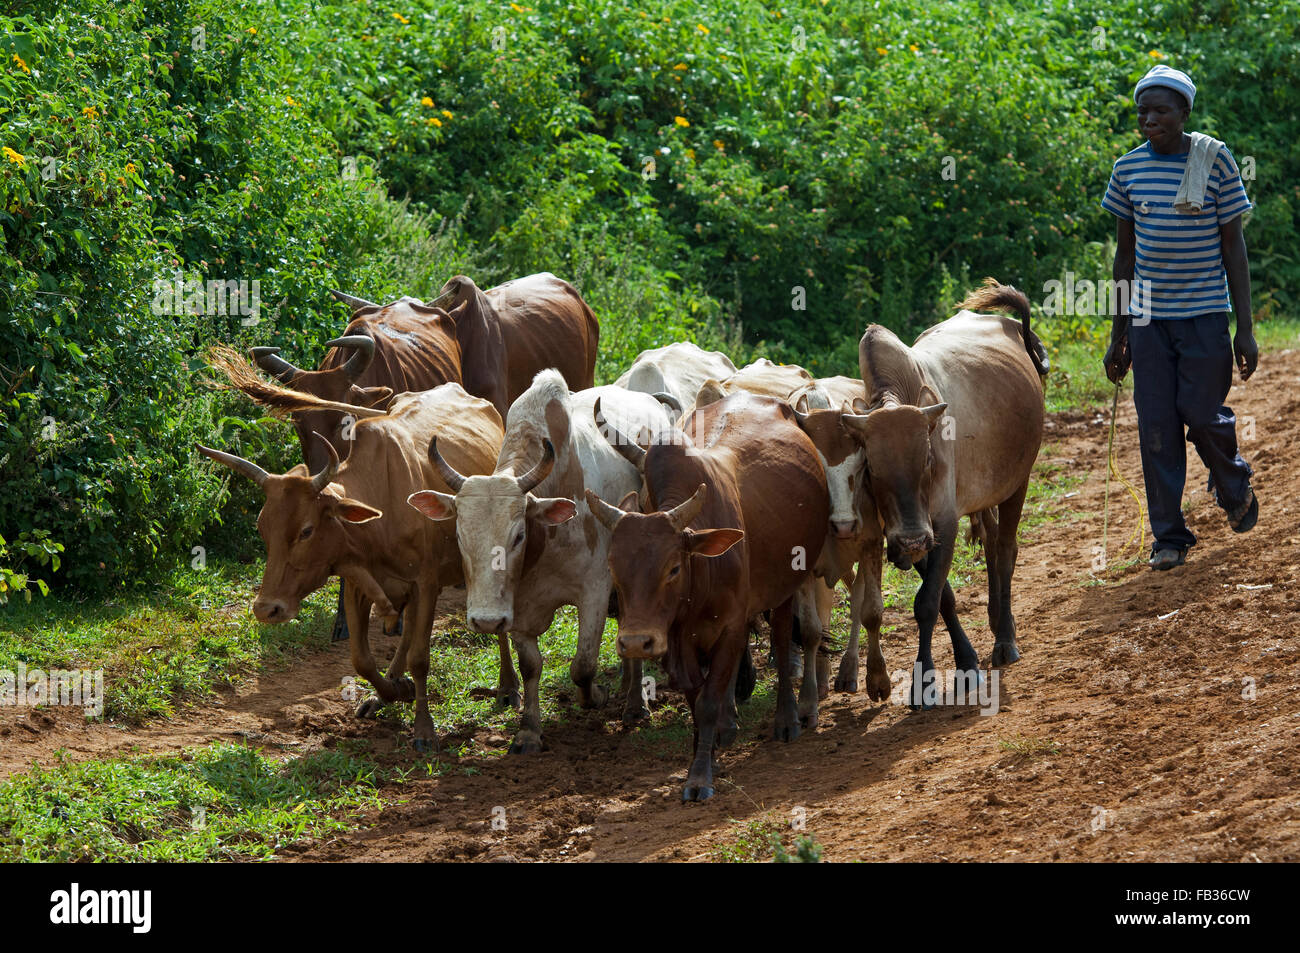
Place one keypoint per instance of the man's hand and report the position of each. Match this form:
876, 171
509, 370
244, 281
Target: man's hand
1118, 358
1246, 351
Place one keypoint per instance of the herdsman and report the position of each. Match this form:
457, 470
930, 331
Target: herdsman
1179, 200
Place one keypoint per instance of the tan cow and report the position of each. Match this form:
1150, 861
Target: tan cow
739, 471
761, 377
952, 428
351, 520
679, 370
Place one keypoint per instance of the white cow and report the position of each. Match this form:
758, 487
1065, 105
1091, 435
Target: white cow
527, 554
677, 369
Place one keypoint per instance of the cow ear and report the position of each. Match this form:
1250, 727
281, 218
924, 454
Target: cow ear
856, 424
354, 511
370, 396
860, 405
710, 392
934, 413
631, 503
557, 423
801, 405
458, 313
434, 505
551, 509
712, 542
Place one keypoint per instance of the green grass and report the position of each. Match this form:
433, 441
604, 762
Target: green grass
1029, 747
190, 633
221, 802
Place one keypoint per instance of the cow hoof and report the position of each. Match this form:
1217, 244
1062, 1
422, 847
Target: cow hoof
1004, 653
391, 625
787, 729
633, 716
808, 722
525, 746
369, 708
696, 792
340, 632
595, 697
911, 695
508, 699
425, 745
405, 689
846, 684
879, 687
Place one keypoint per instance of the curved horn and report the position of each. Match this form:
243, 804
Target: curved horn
238, 464
607, 514
683, 513
328, 472
450, 474
626, 448
528, 482
665, 398
363, 348
268, 359
448, 292
356, 304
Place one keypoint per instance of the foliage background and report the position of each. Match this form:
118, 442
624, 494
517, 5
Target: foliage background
381, 147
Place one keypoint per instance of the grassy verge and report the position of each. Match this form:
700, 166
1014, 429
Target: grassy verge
188, 634
221, 802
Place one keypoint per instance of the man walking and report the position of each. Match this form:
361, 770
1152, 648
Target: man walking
1179, 201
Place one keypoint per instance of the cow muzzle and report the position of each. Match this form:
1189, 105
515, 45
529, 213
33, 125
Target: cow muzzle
273, 611
844, 529
905, 551
641, 645
491, 623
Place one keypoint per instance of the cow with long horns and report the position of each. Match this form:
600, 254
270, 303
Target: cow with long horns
734, 518
351, 520
529, 548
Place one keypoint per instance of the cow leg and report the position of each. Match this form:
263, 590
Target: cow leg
340, 617
926, 608
416, 634
787, 719
634, 700
528, 739
872, 606
811, 627
397, 667
825, 606
358, 612
1005, 650
507, 682
709, 709
591, 628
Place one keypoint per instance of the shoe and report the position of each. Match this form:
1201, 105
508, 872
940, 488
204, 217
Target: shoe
1245, 515
1167, 558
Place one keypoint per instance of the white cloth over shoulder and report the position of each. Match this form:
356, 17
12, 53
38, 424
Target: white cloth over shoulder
1201, 157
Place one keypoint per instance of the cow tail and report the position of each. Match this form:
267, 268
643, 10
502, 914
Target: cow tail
995, 296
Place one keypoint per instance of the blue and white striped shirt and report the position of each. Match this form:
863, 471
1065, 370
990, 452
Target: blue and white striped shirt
1178, 253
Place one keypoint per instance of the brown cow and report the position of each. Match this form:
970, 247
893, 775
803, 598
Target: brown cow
952, 428
509, 333
740, 470
351, 520
385, 350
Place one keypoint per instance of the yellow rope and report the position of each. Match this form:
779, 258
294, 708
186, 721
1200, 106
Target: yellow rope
1112, 466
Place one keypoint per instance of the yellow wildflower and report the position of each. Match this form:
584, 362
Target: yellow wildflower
288, 100
433, 121
130, 168
447, 113
702, 28
719, 144
914, 48
252, 30
401, 19
681, 121
881, 50
21, 65
681, 66
427, 102
90, 112
15, 157
691, 153
1156, 55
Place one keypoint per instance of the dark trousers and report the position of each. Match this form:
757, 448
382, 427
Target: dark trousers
1182, 371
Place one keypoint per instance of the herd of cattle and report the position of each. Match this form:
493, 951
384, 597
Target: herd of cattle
463, 441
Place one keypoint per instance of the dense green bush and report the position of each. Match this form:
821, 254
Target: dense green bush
697, 169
